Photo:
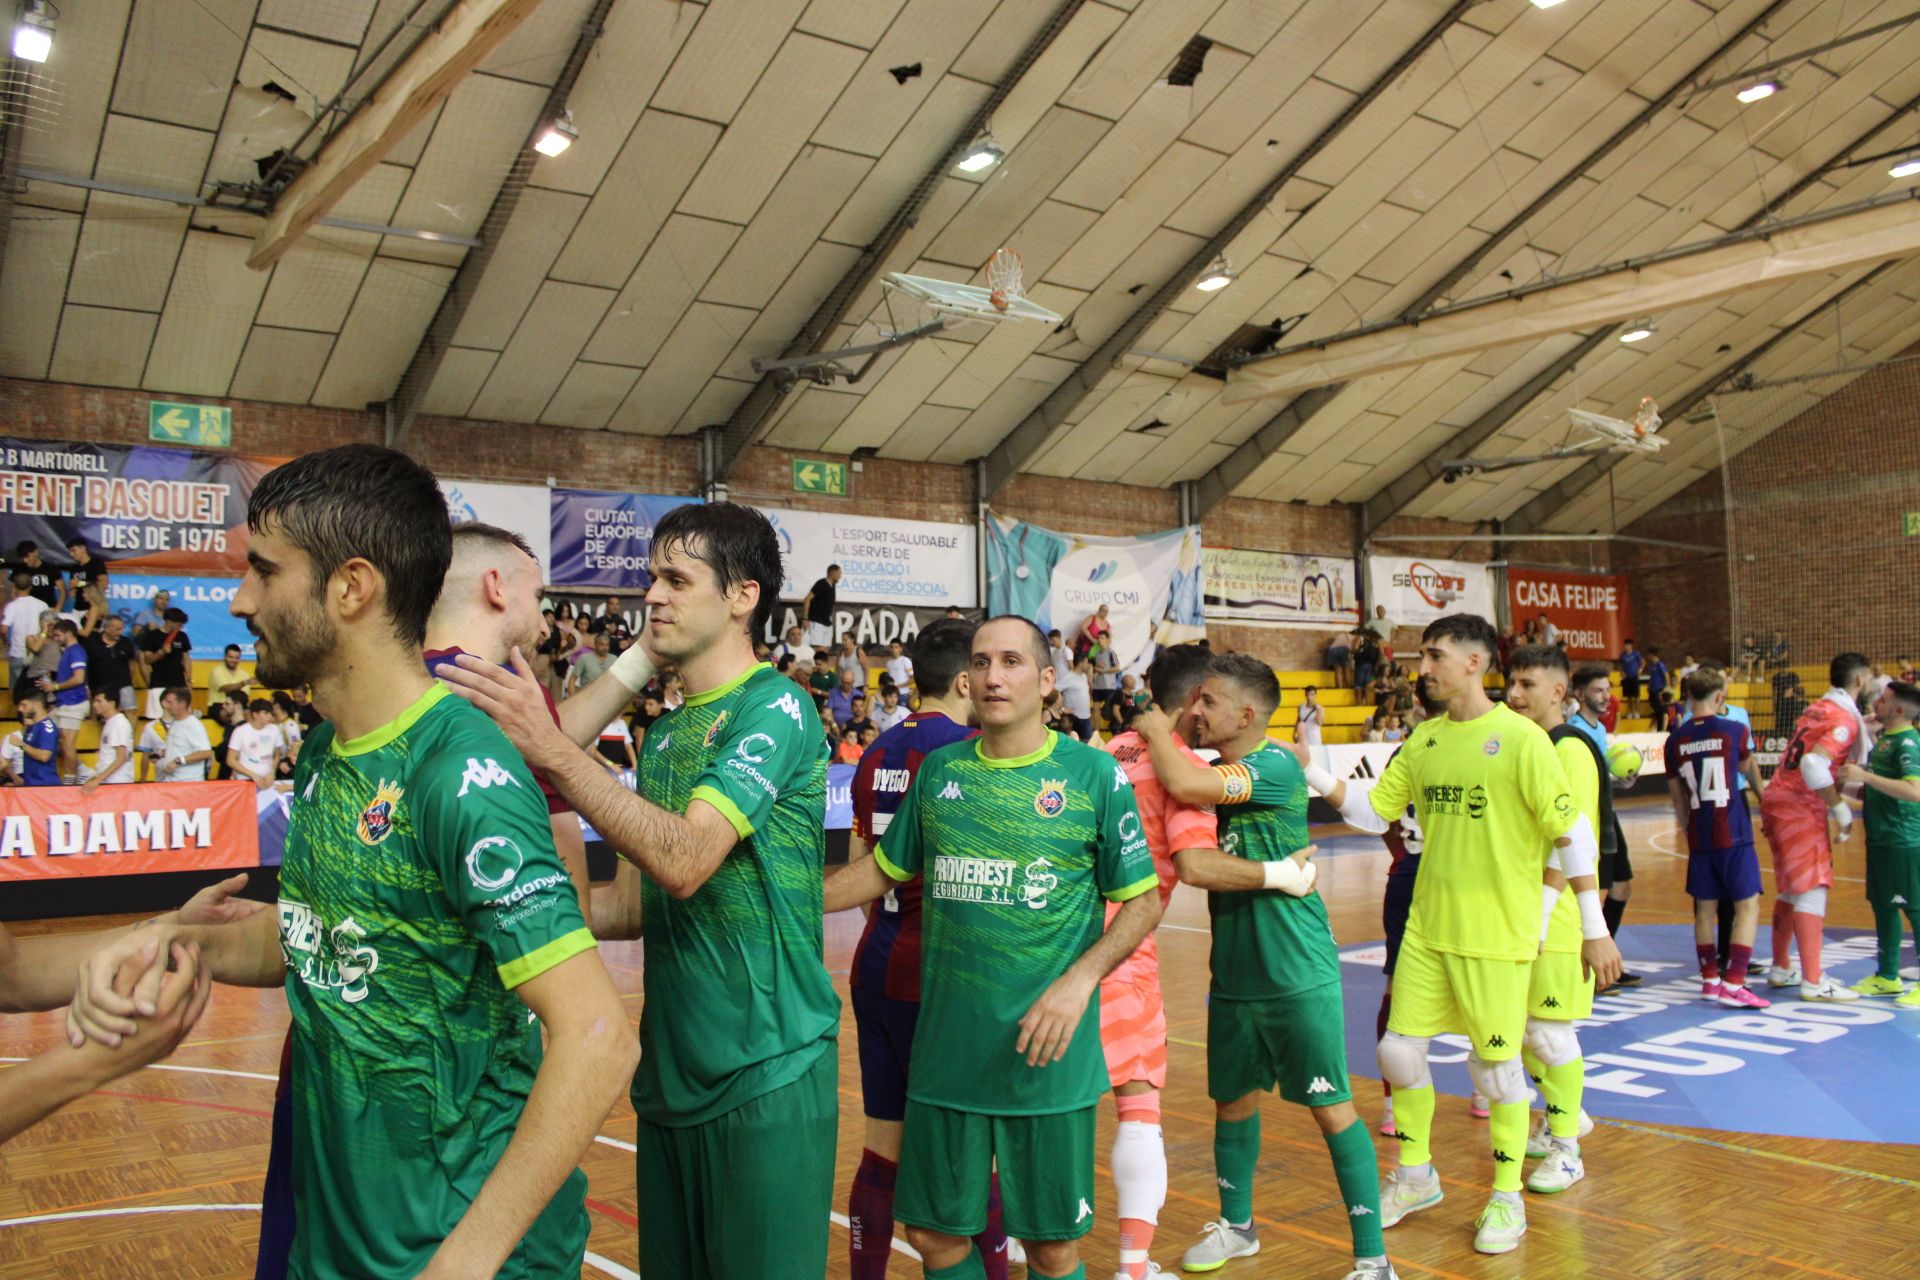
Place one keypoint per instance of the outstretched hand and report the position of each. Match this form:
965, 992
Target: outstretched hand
216, 904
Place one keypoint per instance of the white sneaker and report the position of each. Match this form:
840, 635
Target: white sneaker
1384, 1272
1828, 988
1500, 1226
1778, 977
1220, 1241
1560, 1170
1403, 1193
1153, 1269
1540, 1140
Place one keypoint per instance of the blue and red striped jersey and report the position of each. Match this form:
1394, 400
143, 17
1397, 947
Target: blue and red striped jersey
888, 957
1707, 754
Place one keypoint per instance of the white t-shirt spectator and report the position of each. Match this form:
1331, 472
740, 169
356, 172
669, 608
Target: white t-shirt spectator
901, 669
1549, 634
114, 734
1312, 716
1075, 694
22, 619
184, 737
290, 734
884, 719
255, 747
1062, 662
10, 752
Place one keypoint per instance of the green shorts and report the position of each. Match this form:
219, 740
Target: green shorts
745, 1195
1435, 992
1561, 990
1893, 872
1296, 1042
947, 1160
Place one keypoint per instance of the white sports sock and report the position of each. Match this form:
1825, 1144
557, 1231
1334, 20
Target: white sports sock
1139, 1170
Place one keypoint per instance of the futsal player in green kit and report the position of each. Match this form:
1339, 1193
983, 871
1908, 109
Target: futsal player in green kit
423, 913
736, 1091
1274, 1013
1892, 781
1020, 834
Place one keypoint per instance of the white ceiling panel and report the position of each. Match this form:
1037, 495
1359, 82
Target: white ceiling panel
690, 355
33, 280
725, 57
102, 346
556, 326
929, 33
209, 312
589, 395
463, 371
381, 333
280, 365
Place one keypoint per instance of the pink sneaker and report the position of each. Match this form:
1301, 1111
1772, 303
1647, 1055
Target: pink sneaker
1710, 989
1742, 998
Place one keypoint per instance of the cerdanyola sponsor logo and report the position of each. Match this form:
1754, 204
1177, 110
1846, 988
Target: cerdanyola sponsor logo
327, 959
493, 862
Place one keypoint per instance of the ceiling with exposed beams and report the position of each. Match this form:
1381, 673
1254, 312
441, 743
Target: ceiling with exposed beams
735, 156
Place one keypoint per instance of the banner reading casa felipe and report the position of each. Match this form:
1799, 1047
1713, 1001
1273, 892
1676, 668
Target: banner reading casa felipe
603, 539
1416, 592
1280, 588
1592, 610
137, 507
55, 833
899, 562
525, 509
1150, 584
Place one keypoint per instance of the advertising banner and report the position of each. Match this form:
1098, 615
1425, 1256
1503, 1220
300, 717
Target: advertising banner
525, 509
603, 539
873, 626
840, 796
897, 562
1150, 584
138, 507
1280, 588
51, 833
1593, 611
1415, 592
205, 600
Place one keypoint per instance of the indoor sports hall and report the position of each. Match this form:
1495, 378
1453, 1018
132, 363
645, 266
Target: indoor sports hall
1286, 327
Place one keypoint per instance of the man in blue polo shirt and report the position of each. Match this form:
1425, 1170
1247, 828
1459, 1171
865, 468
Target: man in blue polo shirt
39, 743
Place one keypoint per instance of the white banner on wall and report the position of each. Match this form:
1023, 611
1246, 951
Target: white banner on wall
1417, 591
526, 509
882, 561
1281, 588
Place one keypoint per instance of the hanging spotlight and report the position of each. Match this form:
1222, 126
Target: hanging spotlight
558, 136
1639, 331
1216, 277
33, 37
982, 155
1906, 167
1546, 4
1759, 89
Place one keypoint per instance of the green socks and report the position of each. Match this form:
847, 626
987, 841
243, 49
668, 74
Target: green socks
1886, 922
1078, 1273
1236, 1152
1562, 1087
968, 1268
1358, 1174
1507, 1127
1413, 1117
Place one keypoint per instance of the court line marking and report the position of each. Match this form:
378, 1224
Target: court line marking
1765, 868
1761, 1152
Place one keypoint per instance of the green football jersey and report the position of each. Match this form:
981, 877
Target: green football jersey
1016, 855
1490, 796
1581, 760
419, 887
738, 1001
1892, 823
1267, 944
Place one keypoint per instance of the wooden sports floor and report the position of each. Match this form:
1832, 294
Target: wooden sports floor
154, 1176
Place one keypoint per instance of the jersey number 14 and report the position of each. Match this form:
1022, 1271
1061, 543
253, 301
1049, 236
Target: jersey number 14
1710, 785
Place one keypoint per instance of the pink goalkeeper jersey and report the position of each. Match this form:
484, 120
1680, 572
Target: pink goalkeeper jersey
1169, 825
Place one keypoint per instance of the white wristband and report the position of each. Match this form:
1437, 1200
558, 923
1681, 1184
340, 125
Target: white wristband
1319, 779
1841, 813
1288, 876
633, 668
1593, 921
1549, 899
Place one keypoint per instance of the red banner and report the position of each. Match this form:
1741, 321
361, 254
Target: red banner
1592, 611
53, 833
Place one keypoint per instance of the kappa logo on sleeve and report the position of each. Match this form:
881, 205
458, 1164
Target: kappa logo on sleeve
788, 703
484, 773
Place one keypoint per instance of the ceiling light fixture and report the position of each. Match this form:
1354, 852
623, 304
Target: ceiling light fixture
1759, 89
1639, 331
33, 36
1546, 4
557, 136
982, 155
1908, 167
1216, 277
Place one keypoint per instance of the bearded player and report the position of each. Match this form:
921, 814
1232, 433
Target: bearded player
1804, 816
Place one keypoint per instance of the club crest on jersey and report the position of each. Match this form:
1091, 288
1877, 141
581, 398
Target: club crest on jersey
713, 730
1492, 747
376, 820
1052, 800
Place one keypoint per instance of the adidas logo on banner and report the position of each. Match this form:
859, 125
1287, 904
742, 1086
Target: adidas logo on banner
1319, 1085
951, 791
1364, 769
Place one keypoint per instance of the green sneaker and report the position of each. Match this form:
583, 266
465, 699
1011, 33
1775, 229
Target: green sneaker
1879, 986
1500, 1226
1911, 1000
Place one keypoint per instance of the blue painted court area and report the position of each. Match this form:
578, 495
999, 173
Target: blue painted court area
1662, 1055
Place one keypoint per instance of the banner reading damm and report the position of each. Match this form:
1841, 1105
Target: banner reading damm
1593, 611
55, 833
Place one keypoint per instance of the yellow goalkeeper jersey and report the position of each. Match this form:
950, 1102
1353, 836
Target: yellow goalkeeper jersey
1491, 797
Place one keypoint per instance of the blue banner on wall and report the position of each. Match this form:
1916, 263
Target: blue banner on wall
839, 797
205, 600
603, 539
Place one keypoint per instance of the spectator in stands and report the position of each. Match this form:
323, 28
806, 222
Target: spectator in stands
847, 750
1133, 696
830, 729
673, 692
1789, 700
187, 752
612, 623
302, 696
286, 722
232, 675
12, 760
1076, 694
1378, 626
1095, 633
1376, 730
868, 738
113, 763
1392, 731
43, 654
1403, 699
86, 569
1657, 680
229, 714
1057, 650
1340, 659
42, 581
900, 666
614, 747
1904, 666
253, 746
891, 712
1748, 663
818, 608
67, 687
821, 679
592, 666
1631, 660
110, 660
20, 619
860, 721
1104, 676
1311, 719
89, 601
1781, 653
165, 653
1688, 666
1366, 658
152, 617
840, 700
39, 741
794, 645
1549, 634
851, 658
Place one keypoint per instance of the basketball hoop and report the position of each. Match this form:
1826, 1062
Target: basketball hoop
1003, 278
